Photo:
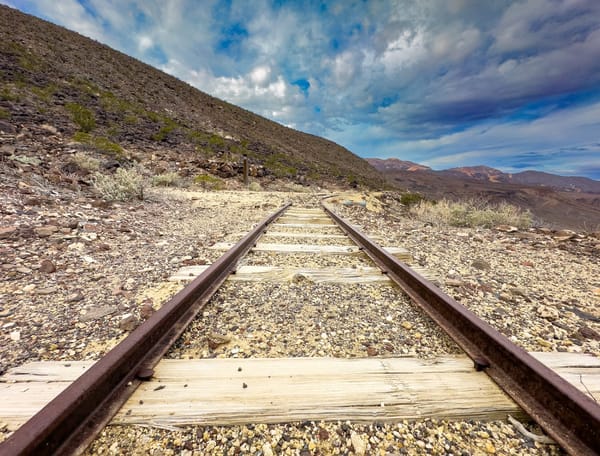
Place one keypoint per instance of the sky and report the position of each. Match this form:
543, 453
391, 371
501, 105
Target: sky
510, 84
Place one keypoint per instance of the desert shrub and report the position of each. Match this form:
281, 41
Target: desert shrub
6, 94
170, 179
86, 162
254, 187
4, 113
99, 143
471, 213
82, 116
209, 182
45, 93
124, 185
410, 199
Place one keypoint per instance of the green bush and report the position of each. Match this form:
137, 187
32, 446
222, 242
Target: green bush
4, 114
171, 179
209, 182
124, 185
254, 187
86, 162
82, 116
7, 95
410, 199
471, 213
99, 143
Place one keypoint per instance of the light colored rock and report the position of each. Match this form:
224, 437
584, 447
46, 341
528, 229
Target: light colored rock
359, 445
547, 312
46, 230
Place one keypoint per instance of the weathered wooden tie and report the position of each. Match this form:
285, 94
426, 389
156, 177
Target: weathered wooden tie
229, 391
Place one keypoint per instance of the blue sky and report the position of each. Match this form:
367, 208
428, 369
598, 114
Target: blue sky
509, 84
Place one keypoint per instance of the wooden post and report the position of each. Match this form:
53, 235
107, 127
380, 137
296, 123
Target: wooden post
245, 170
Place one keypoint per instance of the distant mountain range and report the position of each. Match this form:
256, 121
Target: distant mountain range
488, 174
559, 201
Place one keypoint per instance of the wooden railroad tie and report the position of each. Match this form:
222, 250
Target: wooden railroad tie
272, 390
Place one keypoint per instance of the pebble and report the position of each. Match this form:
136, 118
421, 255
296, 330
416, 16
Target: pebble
47, 267
45, 231
128, 322
359, 445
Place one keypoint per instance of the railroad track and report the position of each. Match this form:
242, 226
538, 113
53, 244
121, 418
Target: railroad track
68, 423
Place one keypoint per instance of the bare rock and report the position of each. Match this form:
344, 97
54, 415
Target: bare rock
481, 265
588, 333
47, 267
507, 228
146, 310
359, 445
128, 322
215, 340
74, 297
548, 313
45, 231
7, 231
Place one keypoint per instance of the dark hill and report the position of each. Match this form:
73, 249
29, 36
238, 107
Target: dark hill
50, 75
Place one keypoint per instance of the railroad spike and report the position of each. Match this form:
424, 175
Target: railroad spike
480, 363
145, 373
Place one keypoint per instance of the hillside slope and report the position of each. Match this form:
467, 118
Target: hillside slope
110, 101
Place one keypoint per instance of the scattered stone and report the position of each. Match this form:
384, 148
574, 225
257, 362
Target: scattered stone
74, 297
15, 336
146, 310
507, 228
128, 322
549, 313
589, 333
45, 231
372, 351
454, 282
49, 128
215, 340
359, 445
97, 312
267, 450
7, 231
47, 267
481, 265
406, 325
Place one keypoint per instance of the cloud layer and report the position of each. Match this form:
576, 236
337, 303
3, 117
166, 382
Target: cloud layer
510, 84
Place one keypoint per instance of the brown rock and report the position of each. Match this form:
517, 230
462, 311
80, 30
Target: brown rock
146, 310
481, 265
47, 267
74, 297
589, 333
45, 231
128, 322
7, 231
216, 339
372, 351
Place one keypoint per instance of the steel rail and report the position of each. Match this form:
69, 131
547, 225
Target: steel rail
69, 423
570, 417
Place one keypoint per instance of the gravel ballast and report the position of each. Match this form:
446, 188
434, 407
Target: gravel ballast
112, 263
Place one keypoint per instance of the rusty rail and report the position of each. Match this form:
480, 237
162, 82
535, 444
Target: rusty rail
71, 420
568, 415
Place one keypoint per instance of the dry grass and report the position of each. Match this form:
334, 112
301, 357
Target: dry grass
86, 162
471, 213
170, 179
124, 185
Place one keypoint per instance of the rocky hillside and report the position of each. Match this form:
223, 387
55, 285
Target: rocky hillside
118, 106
